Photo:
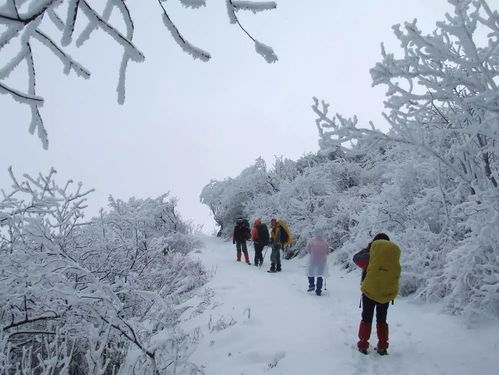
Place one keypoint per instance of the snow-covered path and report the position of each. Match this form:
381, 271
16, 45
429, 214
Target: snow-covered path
263, 323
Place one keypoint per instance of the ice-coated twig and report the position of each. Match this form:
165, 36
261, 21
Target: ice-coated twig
133, 51
67, 34
257, 6
20, 96
36, 119
233, 6
265, 51
195, 52
193, 3
67, 60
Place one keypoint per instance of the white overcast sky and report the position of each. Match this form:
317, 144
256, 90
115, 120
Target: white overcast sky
185, 122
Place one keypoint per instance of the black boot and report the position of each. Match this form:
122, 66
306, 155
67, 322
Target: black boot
311, 284
381, 351
272, 267
318, 290
278, 267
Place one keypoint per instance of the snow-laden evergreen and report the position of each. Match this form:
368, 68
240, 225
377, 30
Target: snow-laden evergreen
431, 182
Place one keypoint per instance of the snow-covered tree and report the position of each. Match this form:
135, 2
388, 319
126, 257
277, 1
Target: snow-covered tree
227, 199
23, 22
99, 296
443, 100
430, 182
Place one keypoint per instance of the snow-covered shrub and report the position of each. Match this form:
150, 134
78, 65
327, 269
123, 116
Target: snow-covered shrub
90, 297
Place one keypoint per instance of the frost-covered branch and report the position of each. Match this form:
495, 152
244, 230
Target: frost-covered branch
335, 131
25, 26
446, 81
233, 6
195, 52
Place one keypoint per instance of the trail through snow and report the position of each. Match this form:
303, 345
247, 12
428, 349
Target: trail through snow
263, 323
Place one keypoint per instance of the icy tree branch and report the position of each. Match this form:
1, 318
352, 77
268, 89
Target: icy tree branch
233, 6
25, 26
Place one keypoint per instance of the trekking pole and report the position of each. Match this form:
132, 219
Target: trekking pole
325, 284
267, 247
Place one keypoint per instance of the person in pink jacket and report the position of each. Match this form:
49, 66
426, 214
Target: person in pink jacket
318, 249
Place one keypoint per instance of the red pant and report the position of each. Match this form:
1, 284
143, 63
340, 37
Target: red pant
368, 306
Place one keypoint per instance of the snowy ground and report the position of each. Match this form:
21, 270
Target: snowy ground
263, 323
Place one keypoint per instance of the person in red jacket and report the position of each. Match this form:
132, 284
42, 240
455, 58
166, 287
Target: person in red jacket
260, 238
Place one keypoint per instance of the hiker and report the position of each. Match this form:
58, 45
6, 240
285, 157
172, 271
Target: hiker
275, 255
380, 263
318, 249
280, 236
239, 237
260, 237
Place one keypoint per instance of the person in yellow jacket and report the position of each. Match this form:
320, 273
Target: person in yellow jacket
275, 239
380, 263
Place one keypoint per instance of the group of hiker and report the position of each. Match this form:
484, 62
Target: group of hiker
379, 261
278, 237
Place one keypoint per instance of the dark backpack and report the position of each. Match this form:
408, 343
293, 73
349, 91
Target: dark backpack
243, 229
263, 234
247, 230
247, 233
284, 237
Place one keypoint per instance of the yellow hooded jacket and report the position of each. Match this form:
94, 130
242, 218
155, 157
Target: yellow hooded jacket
381, 283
